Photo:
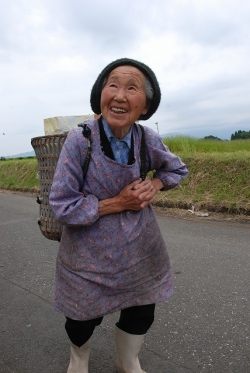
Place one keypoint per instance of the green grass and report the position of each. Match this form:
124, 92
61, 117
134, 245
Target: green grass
213, 184
219, 175
19, 174
190, 146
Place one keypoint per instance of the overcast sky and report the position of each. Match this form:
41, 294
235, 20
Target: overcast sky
51, 52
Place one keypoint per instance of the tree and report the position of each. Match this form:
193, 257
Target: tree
210, 137
240, 135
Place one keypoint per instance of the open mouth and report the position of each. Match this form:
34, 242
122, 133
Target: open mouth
118, 110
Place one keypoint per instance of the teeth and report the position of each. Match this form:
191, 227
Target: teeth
118, 110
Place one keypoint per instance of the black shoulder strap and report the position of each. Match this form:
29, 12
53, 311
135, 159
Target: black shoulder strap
87, 134
105, 144
143, 171
86, 131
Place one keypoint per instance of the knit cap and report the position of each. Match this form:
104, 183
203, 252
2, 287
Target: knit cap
95, 96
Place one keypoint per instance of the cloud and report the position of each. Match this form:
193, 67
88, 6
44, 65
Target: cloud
51, 52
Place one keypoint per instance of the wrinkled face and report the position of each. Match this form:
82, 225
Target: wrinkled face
123, 98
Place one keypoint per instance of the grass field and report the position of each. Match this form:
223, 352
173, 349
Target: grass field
219, 175
19, 174
190, 146
219, 178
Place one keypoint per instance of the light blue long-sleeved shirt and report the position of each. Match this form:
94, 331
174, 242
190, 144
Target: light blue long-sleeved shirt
120, 147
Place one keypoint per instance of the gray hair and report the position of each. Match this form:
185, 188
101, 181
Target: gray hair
149, 90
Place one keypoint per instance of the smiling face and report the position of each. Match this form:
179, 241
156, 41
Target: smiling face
123, 99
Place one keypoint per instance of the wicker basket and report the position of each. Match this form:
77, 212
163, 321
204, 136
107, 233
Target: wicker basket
47, 149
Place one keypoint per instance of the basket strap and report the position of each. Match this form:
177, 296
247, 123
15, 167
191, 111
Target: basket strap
87, 134
143, 170
86, 131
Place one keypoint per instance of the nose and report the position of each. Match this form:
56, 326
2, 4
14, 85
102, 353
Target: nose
120, 95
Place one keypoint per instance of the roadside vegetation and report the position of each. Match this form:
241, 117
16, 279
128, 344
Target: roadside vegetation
219, 178
19, 174
219, 175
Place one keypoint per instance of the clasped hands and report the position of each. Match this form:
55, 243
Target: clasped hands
135, 196
139, 194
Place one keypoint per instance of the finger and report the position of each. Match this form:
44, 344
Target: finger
149, 193
146, 203
135, 183
143, 183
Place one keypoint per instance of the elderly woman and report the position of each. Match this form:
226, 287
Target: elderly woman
112, 255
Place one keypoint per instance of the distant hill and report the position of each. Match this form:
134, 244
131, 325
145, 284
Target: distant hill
172, 134
27, 154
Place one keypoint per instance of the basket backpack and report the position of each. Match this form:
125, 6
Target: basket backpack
47, 150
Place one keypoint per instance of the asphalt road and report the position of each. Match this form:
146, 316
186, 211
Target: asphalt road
203, 328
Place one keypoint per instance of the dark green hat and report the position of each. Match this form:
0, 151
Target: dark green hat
95, 97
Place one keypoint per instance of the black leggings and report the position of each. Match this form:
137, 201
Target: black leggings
134, 320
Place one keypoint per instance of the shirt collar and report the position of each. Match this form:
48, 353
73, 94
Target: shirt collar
110, 135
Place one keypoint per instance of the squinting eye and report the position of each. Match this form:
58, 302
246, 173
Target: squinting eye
131, 88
